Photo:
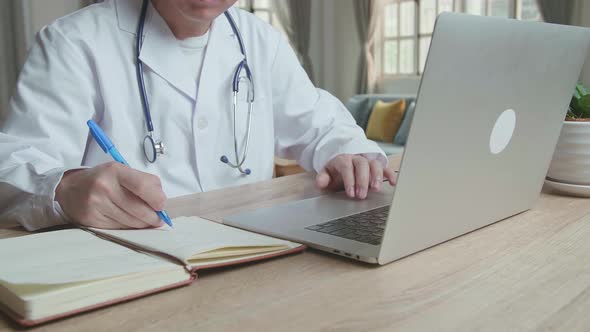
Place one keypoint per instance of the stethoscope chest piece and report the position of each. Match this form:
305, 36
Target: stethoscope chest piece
152, 148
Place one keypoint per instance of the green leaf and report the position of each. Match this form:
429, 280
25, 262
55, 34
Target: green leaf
583, 109
574, 102
576, 95
581, 90
570, 114
580, 103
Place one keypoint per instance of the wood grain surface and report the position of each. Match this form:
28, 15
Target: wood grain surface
529, 272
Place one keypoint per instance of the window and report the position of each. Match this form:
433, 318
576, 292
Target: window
408, 25
260, 8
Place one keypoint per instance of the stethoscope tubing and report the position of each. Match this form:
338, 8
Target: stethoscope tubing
139, 68
242, 66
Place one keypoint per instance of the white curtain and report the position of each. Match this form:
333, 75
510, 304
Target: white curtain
559, 12
295, 18
368, 17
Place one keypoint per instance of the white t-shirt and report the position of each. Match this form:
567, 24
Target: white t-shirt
194, 49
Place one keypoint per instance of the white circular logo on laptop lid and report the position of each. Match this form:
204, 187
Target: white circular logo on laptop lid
503, 131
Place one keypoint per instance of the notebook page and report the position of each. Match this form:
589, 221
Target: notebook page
69, 256
192, 236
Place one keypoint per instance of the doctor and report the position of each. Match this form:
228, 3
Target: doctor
84, 66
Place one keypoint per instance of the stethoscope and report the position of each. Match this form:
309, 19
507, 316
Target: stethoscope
154, 148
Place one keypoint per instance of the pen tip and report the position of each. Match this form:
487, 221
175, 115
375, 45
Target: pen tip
164, 216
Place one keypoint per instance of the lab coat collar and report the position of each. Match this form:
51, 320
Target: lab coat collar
161, 51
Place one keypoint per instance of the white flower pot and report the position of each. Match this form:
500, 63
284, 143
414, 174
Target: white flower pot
571, 160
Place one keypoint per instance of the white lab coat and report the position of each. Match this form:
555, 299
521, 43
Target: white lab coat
82, 67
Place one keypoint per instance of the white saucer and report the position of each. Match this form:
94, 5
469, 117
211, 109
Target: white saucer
566, 188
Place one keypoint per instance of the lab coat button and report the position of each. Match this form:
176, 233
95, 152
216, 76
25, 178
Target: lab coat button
203, 123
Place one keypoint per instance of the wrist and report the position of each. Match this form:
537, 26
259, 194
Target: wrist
64, 184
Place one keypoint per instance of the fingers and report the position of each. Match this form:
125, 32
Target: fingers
322, 180
345, 168
145, 186
357, 173
110, 223
135, 207
390, 175
99, 220
361, 176
354, 172
117, 213
115, 201
376, 175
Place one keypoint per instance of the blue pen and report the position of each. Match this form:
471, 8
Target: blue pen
105, 143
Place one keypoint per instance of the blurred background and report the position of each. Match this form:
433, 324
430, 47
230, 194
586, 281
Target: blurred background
348, 47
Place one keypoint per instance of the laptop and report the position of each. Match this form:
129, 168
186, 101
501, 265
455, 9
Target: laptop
489, 111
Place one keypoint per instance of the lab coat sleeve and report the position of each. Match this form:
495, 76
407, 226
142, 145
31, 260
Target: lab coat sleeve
311, 125
44, 132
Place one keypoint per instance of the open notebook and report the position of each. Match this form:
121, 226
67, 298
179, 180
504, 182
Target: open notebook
56, 274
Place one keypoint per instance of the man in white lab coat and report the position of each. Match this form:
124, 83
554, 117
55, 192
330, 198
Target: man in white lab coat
83, 67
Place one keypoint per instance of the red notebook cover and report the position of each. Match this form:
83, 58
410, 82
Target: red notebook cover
193, 276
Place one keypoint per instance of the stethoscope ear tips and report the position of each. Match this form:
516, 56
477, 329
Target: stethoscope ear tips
224, 160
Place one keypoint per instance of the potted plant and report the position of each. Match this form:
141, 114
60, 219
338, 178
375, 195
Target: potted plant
579, 105
570, 167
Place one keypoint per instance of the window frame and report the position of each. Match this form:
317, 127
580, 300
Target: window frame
250, 6
514, 11
399, 38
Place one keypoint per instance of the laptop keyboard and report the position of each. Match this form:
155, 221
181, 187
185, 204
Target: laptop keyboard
366, 227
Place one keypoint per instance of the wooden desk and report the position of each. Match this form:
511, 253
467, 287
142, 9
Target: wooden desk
530, 272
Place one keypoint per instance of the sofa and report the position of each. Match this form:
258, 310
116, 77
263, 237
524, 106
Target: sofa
360, 107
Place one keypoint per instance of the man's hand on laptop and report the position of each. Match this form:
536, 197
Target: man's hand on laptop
356, 174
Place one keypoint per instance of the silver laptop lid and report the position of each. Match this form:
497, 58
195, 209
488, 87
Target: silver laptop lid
480, 69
